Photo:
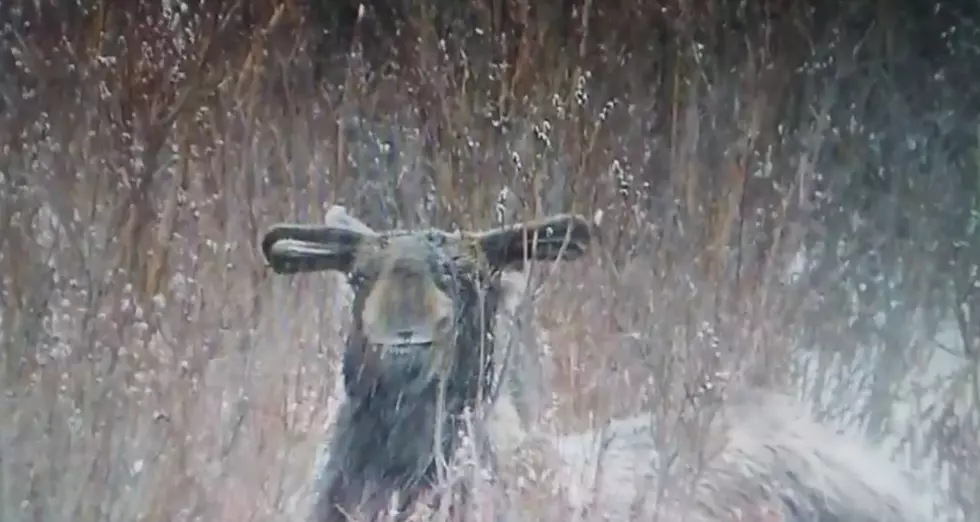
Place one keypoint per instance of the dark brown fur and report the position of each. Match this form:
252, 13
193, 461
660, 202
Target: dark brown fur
439, 293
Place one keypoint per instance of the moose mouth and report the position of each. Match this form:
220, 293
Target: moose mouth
403, 350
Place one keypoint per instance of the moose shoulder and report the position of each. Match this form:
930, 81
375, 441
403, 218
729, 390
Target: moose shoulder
421, 349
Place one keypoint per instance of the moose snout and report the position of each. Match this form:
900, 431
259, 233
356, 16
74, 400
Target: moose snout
407, 312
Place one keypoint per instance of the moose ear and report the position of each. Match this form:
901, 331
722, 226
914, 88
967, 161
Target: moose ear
561, 237
294, 248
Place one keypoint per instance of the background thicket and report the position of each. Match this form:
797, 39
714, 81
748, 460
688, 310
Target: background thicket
787, 193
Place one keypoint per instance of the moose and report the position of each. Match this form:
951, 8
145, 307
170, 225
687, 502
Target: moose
421, 351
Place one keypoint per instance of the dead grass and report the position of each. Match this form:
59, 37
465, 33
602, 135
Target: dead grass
153, 371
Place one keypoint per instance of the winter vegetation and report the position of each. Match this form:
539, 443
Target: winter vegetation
778, 318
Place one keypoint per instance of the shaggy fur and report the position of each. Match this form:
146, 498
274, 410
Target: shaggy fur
422, 349
766, 459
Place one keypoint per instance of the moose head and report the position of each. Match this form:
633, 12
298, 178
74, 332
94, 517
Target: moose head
420, 295
424, 307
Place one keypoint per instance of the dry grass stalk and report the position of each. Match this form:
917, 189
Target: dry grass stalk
151, 372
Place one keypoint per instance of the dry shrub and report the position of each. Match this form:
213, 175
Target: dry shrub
152, 370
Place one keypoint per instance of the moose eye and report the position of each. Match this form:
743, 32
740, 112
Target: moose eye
444, 324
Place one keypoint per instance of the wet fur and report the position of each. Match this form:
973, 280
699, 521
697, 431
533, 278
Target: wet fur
383, 438
401, 397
